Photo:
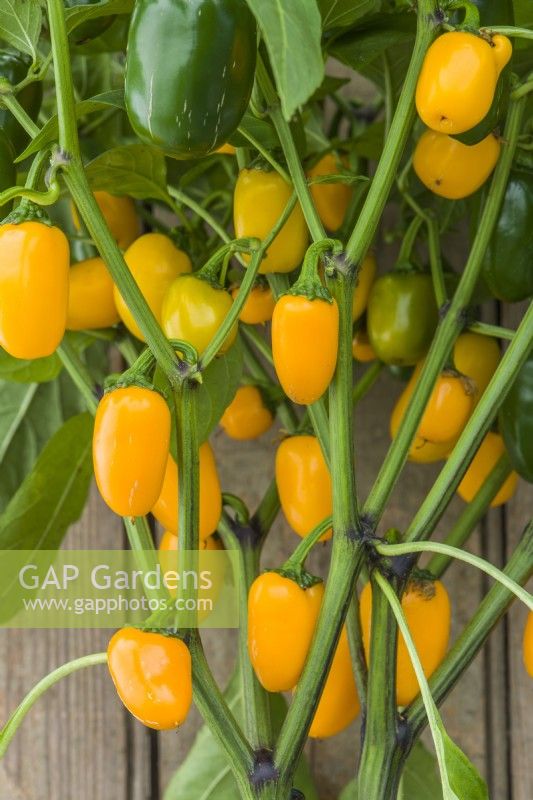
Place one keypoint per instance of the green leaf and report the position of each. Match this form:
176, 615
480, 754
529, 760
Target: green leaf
464, 778
79, 14
39, 370
344, 13
29, 416
20, 24
53, 494
384, 34
350, 791
220, 382
292, 34
50, 130
261, 130
135, 169
420, 779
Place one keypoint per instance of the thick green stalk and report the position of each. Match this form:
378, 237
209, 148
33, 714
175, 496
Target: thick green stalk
471, 516
256, 705
467, 646
403, 119
346, 554
357, 651
207, 695
379, 768
450, 326
75, 178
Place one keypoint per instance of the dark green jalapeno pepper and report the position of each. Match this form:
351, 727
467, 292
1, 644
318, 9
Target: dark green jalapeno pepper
92, 28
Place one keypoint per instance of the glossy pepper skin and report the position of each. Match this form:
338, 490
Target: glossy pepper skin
363, 285
451, 169
34, 273
421, 451
92, 28
247, 416
477, 357
259, 305
458, 80
305, 337
339, 704
304, 484
120, 214
91, 302
516, 422
489, 453
155, 262
194, 309
331, 199
165, 508
426, 606
282, 618
528, 644
130, 449
259, 201
507, 265
189, 105
8, 173
14, 68
402, 316
448, 409
152, 675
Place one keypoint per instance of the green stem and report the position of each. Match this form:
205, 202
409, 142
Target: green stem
256, 705
14, 107
291, 154
492, 330
450, 326
439, 495
207, 695
435, 258
467, 646
10, 728
366, 382
78, 186
245, 288
385, 174
472, 515
306, 545
265, 153
266, 513
435, 722
79, 373
460, 555
379, 766
357, 650
201, 212
409, 239
509, 30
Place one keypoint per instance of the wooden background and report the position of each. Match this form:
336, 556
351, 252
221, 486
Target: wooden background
78, 742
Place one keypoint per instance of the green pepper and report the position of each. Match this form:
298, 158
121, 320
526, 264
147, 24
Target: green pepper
508, 263
8, 175
14, 68
402, 316
92, 28
189, 72
516, 422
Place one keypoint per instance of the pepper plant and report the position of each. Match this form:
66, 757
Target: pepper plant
277, 182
